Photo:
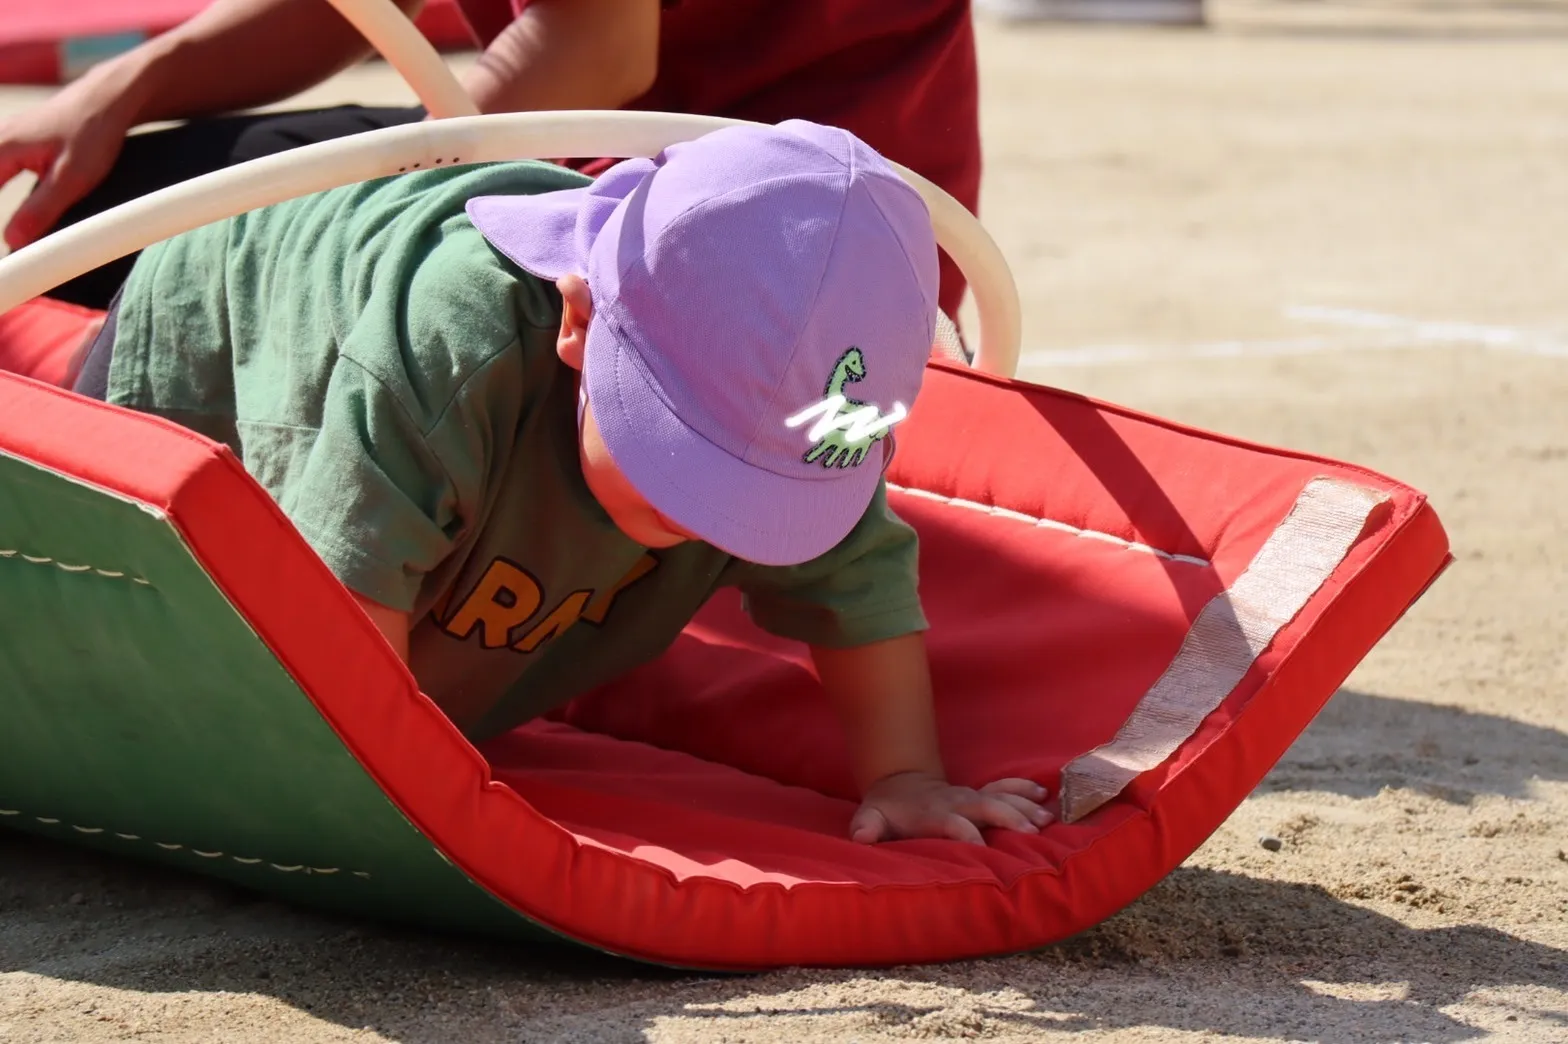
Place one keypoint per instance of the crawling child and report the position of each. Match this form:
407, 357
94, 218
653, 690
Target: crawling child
534, 422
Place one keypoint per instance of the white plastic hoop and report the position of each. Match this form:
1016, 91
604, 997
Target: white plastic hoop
405, 49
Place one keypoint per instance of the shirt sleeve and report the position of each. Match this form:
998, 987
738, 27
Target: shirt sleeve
864, 590
370, 496
416, 412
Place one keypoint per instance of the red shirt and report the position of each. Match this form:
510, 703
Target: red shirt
898, 74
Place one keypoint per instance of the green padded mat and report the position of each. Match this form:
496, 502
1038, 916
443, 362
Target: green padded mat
143, 716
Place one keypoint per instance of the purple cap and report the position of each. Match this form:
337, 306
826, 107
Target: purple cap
765, 302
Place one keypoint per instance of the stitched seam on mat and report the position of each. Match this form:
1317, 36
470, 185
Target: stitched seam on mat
169, 846
112, 574
1051, 524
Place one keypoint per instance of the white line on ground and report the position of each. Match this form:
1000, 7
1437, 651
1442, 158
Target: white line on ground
1427, 331
1379, 332
1111, 354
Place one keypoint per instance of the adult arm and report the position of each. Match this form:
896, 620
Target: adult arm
569, 54
239, 54
235, 54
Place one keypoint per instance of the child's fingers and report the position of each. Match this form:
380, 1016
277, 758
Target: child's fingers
959, 828
1024, 788
1036, 815
869, 826
992, 810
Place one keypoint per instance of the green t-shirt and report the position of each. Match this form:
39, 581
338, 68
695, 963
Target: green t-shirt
392, 381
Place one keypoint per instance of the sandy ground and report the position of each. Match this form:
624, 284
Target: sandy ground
1336, 227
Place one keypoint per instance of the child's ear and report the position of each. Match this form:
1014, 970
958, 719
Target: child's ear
576, 310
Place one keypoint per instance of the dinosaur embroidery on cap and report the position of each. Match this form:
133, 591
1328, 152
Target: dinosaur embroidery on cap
842, 439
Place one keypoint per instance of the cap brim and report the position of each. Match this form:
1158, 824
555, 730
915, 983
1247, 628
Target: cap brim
538, 232
749, 512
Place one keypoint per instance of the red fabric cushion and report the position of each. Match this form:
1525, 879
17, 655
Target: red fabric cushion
43, 338
694, 813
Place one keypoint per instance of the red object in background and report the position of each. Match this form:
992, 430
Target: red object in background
50, 43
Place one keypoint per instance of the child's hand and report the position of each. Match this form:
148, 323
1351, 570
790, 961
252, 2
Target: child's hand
917, 804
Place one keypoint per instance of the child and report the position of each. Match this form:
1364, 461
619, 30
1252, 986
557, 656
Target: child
533, 423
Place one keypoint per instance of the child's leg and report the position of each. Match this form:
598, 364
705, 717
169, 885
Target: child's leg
158, 159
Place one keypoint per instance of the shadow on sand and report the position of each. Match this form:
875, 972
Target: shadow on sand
1205, 950
1361, 744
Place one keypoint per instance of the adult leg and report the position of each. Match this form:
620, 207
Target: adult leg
158, 159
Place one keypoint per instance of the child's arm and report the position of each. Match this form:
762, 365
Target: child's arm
392, 623
394, 626
882, 693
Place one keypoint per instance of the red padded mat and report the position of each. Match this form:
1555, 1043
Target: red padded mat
693, 813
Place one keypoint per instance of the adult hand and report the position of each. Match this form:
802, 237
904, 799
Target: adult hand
70, 142
917, 804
